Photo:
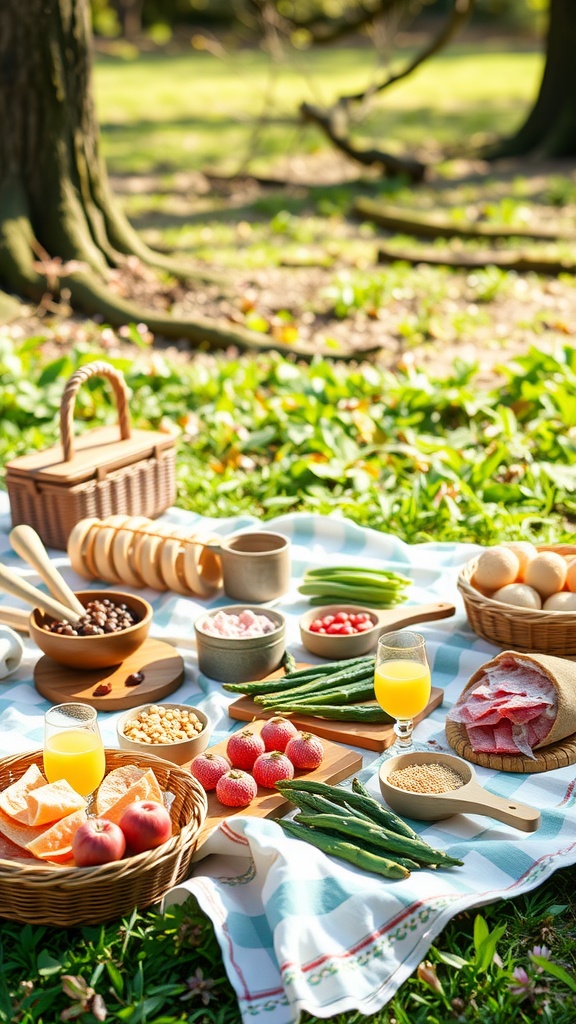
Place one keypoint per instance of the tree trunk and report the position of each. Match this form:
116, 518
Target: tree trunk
550, 128
60, 226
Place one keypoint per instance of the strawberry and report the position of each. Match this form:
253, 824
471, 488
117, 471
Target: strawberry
208, 768
243, 748
276, 732
305, 750
270, 767
236, 788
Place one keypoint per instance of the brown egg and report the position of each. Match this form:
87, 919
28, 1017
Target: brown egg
546, 573
519, 594
524, 552
571, 575
495, 568
564, 601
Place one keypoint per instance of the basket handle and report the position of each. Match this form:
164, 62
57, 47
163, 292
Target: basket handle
98, 369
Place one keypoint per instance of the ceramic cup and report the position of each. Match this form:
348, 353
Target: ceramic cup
255, 565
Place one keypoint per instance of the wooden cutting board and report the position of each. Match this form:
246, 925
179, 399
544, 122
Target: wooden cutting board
161, 665
367, 735
338, 763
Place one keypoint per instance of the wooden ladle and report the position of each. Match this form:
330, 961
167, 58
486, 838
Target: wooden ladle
28, 544
469, 798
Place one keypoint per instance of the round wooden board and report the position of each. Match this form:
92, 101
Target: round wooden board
161, 664
557, 755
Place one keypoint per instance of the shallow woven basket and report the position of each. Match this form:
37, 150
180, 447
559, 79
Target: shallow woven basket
35, 893
519, 629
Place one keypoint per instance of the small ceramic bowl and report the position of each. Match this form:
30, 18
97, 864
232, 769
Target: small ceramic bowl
333, 646
177, 751
88, 652
239, 659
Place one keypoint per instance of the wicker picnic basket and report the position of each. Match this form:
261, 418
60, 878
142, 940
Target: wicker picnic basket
519, 629
36, 893
106, 471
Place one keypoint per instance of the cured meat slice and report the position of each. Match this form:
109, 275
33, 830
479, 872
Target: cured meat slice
508, 708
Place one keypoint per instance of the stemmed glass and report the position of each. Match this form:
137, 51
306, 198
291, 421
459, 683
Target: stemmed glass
402, 681
73, 748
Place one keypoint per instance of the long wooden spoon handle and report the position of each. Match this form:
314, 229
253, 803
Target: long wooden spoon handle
27, 543
13, 584
397, 618
481, 801
16, 618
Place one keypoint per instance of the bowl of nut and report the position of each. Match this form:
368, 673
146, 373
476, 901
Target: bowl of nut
175, 732
113, 627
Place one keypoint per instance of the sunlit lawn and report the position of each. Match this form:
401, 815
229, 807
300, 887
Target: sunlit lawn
195, 110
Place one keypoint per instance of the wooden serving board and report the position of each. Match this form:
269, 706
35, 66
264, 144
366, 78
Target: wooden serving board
367, 735
162, 666
338, 763
557, 755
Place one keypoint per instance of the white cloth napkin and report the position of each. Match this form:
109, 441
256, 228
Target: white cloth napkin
11, 651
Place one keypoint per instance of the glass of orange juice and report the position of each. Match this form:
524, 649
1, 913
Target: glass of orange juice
402, 681
73, 748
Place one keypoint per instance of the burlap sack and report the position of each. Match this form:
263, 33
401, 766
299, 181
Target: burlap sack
562, 674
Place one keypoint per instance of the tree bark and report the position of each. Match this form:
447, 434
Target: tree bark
550, 128
59, 223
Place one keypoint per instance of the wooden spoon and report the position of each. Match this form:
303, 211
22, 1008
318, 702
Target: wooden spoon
397, 618
14, 584
27, 543
469, 798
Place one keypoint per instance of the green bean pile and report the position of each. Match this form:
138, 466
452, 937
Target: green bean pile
331, 690
346, 584
352, 825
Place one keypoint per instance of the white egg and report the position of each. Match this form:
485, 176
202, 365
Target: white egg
524, 552
546, 573
519, 594
565, 601
495, 568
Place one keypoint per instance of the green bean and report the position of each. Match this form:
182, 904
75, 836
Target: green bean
370, 712
389, 841
367, 805
328, 692
347, 851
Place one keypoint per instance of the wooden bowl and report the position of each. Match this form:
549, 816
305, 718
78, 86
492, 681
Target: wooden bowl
334, 647
90, 652
178, 751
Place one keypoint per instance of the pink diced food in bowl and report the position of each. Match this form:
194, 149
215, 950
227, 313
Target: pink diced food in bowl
237, 625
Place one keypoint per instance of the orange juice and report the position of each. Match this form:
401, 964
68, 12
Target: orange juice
402, 687
77, 756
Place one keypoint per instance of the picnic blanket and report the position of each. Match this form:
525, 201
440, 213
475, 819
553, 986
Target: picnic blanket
299, 930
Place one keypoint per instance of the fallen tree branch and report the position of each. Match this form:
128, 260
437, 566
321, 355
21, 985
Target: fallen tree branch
520, 262
425, 225
327, 120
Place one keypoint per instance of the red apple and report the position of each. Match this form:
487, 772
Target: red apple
146, 824
97, 841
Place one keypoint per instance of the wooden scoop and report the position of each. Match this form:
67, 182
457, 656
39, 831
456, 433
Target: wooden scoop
28, 544
469, 798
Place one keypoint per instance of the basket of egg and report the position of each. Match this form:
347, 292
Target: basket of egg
522, 597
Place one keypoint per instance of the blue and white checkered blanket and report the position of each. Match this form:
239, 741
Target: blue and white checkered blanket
298, 930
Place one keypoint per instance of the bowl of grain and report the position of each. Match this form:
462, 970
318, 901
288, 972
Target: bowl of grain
175, 732
430, 786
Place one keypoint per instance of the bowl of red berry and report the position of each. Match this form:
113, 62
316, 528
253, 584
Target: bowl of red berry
340, 631
113, 627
